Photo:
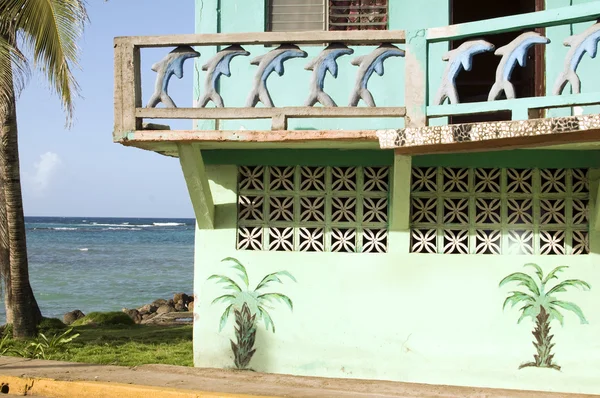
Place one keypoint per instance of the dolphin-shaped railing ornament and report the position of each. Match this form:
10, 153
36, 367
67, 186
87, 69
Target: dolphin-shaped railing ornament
215, 68
587, 41
367, 64
513, 53
267, 63
170, 65
325, 61
458, 59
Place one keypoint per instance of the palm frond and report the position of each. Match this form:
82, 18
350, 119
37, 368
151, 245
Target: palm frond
274, 277
266, 318
51, 30
516, 297
527, 311
275, 296
562, 286
238, 266
538, 270
554, 313
14, 70
226, 298
224, 317
574, 308
552, 274
524, 280
230, 283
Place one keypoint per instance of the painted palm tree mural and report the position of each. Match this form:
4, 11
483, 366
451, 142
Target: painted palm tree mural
248, 307
541, 305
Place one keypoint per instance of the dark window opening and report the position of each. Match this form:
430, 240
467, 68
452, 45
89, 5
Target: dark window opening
475, 85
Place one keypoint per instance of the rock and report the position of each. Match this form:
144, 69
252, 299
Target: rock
171, 302
190, 306
159, 302
182, 296
72, 316
147, 317
147, 309
179, 306
165, 308
133, 314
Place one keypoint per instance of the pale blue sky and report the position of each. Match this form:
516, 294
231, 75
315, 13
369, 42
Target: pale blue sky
81, 172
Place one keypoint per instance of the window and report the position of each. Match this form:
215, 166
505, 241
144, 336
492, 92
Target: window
318, 209
499, 211
306, 15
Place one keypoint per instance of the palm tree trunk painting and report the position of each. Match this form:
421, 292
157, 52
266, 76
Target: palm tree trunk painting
541, 305
543, 343
249, 306
245, 333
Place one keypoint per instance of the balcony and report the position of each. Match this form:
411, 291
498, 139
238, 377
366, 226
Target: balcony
410, 108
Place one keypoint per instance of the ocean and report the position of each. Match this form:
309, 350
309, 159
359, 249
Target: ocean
105, 264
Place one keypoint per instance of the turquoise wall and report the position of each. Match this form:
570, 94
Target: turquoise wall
555, 56
291, 89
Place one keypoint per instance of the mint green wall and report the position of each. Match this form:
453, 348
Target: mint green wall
433, 319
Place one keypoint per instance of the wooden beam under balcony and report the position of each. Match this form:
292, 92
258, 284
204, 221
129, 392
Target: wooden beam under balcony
359, 37
166, 141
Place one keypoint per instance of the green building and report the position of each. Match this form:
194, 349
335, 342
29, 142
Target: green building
430, 234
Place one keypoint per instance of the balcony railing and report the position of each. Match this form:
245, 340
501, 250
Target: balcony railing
270, 51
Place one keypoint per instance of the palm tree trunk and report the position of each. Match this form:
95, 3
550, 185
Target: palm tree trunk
245, 333
5, 254
25, 311
543, 343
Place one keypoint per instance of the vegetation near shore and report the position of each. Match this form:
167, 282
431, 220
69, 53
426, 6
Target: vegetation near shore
113, 340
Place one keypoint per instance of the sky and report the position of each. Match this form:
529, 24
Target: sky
80, 171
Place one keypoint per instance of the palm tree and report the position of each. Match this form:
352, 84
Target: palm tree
248, 306
543, 307
49, 31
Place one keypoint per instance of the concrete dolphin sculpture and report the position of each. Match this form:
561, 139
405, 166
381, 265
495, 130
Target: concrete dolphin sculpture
367, 64
267, 63
513, 52
170, 65
326, 61
458, 59
587, 41
215, 67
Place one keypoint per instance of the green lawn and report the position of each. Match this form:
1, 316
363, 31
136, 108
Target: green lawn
126, 345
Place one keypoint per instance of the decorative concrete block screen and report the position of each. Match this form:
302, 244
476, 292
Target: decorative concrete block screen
320, 209
499, 211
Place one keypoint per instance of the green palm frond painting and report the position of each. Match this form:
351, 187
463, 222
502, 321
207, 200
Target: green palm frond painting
539, 302
248, 306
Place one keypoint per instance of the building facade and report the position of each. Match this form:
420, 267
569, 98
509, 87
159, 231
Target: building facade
430, 234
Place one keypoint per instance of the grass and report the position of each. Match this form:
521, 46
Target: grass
104, 319
125, 345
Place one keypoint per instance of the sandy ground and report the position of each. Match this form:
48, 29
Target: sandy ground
243, 382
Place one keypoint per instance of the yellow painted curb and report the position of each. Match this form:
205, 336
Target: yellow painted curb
95, 389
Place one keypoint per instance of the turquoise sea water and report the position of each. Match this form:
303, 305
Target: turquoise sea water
105, 264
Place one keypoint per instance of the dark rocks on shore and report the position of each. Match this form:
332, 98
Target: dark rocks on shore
180, 302
165, 308
133, 314
72, 316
